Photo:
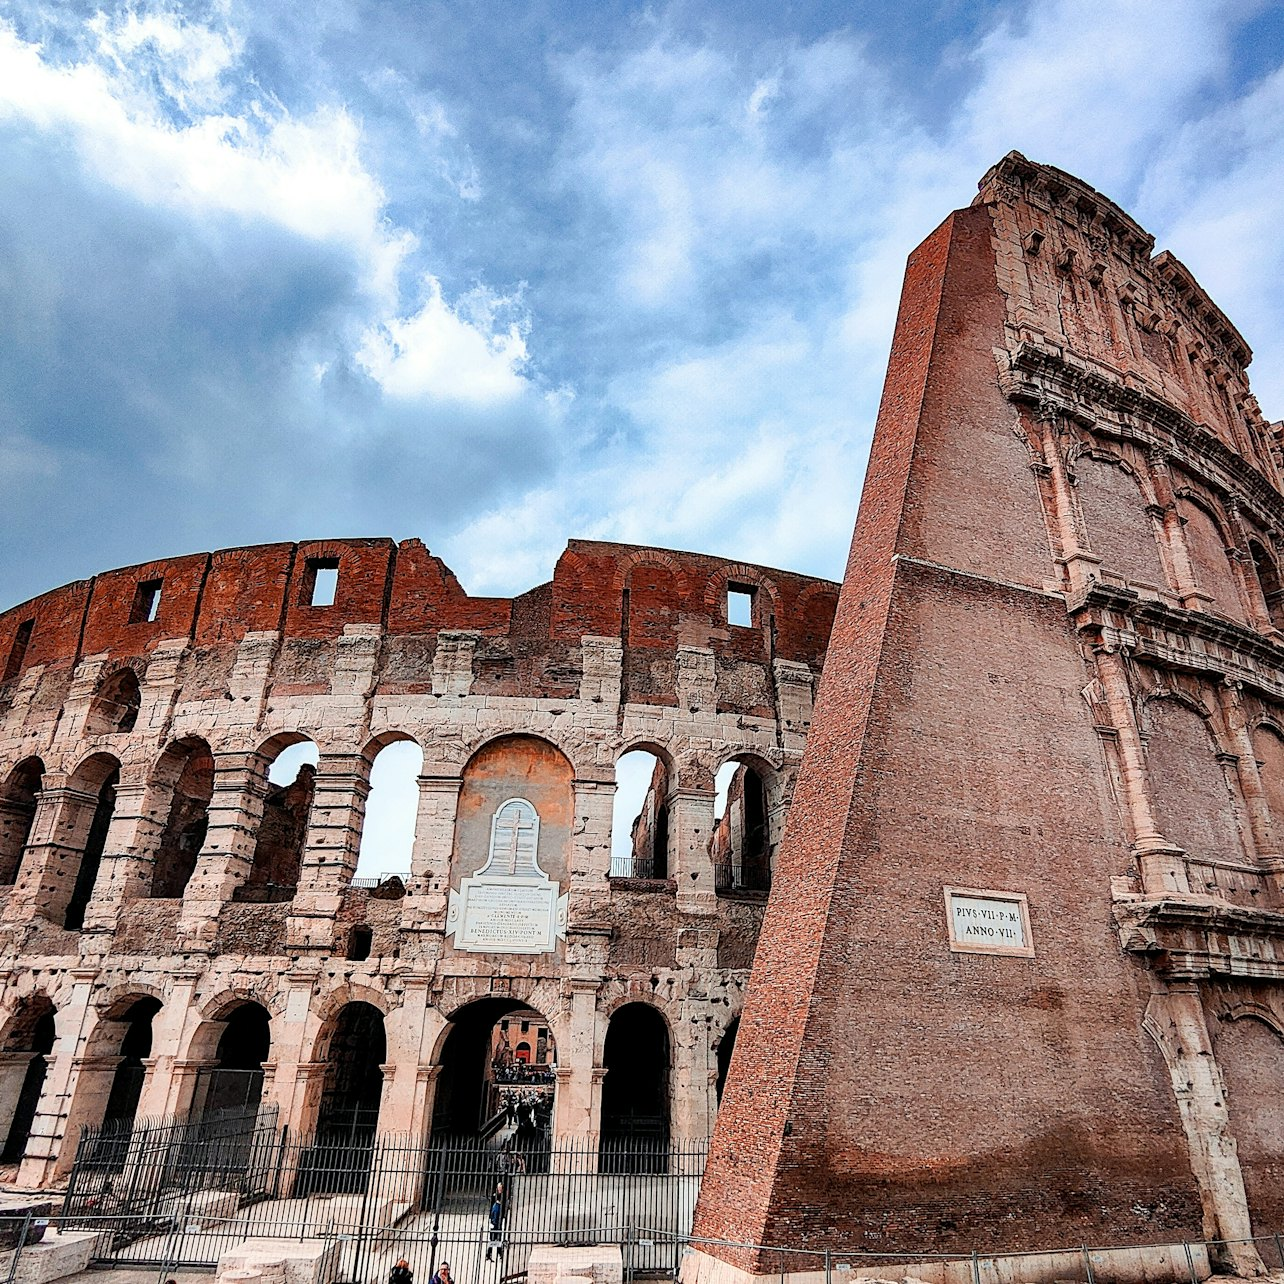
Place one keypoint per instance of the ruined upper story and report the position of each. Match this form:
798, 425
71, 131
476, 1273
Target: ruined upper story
214, 613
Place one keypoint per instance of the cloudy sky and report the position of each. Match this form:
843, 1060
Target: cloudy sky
495, 275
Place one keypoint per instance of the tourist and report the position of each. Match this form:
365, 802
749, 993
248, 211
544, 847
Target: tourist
495, 1243
401, 1273
442, 1276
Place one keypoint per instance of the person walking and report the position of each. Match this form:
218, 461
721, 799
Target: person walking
495, 1242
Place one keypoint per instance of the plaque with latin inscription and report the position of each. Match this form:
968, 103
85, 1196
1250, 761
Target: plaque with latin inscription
510, 906
988, 922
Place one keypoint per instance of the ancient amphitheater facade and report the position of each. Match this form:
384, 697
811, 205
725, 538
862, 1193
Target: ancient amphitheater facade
178, 932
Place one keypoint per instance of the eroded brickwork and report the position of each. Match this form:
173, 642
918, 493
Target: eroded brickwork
1055, 673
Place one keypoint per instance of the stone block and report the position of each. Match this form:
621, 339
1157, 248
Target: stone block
592, 1264
55, 1257
279, 1261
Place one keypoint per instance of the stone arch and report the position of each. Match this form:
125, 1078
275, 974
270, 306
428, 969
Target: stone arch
353, 1044
505, 767
1268, 748
186, 772
213, 1011
471, 1096
287, 806
238, 1045
25, 1048
122, 1034
115, 705
90, 808
1114, 501
637, 1057
766, 595
1249, 1048
1193, 783
1207, 537
388, 821
17, 812
640, 823
723, 1048
747, 834
1266, 576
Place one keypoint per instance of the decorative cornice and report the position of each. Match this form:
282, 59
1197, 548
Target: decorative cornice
1199, 937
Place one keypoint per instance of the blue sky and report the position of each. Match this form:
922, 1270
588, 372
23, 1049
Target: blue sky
499, 275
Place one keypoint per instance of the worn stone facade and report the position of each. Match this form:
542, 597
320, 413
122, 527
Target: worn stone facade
163, 901
1056, 681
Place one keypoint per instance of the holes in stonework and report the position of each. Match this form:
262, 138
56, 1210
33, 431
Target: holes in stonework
147, 600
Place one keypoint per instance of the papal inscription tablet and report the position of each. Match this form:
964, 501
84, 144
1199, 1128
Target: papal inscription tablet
988, 922
510, 906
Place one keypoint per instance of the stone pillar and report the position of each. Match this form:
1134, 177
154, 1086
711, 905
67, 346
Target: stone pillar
425, 904
1162, 866
690, 831
412, 1031
295, 1088
129, 854
51, 1147
330, 849
1261, 824
1175, 1019
577, 1113
59, 832
591, 840
690, 1118
235, 811
166, 1088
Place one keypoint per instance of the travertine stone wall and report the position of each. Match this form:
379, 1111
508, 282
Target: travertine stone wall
536, 696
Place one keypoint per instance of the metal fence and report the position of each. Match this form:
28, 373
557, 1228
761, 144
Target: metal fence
169, 1194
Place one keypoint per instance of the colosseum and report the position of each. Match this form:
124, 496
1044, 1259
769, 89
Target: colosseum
181, 934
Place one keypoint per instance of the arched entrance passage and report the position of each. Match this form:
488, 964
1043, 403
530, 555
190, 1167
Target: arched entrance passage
23, 1065
635, 1091
135, 1032
741, 844
190, 766
726, 1046
17, 811
498, 1076
353, 1085
233, 1085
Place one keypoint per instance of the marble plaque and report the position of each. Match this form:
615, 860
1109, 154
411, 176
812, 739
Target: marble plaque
987, 922
510, 906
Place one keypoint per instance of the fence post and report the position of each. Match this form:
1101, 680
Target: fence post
976, 1268
1087, 1265
828, 1277
1190, 1263
1279, 1248
21, 1244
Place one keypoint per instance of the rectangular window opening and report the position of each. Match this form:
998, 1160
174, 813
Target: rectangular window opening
147, 597
321, 581
740, 606
18, 652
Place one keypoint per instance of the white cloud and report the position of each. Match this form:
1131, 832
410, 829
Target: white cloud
437, 353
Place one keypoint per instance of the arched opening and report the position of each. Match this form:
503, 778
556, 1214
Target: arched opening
1120, 529
388, 831
135, 1046
726, 1046
1268, 582
353, 1085
498, 1078
233, 1086
115, 704
640, 817
1195, 791
1208, 556
635, 1091
1250, 1054
17, 812
191, 765
278, 850
100, 773
741, 846
23, 1066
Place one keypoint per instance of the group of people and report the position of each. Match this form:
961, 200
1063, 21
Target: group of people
528, 1113
521, 1072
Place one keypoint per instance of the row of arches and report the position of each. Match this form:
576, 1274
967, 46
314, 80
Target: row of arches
1189, 544
497, 1071
174, 815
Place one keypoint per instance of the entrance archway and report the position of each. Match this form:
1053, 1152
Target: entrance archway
353, 1085
23, 1066
635, 1091
498, 1077
233, 1085
127, 1079
101, 773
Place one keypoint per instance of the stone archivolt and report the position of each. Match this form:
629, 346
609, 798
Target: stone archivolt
140, 714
